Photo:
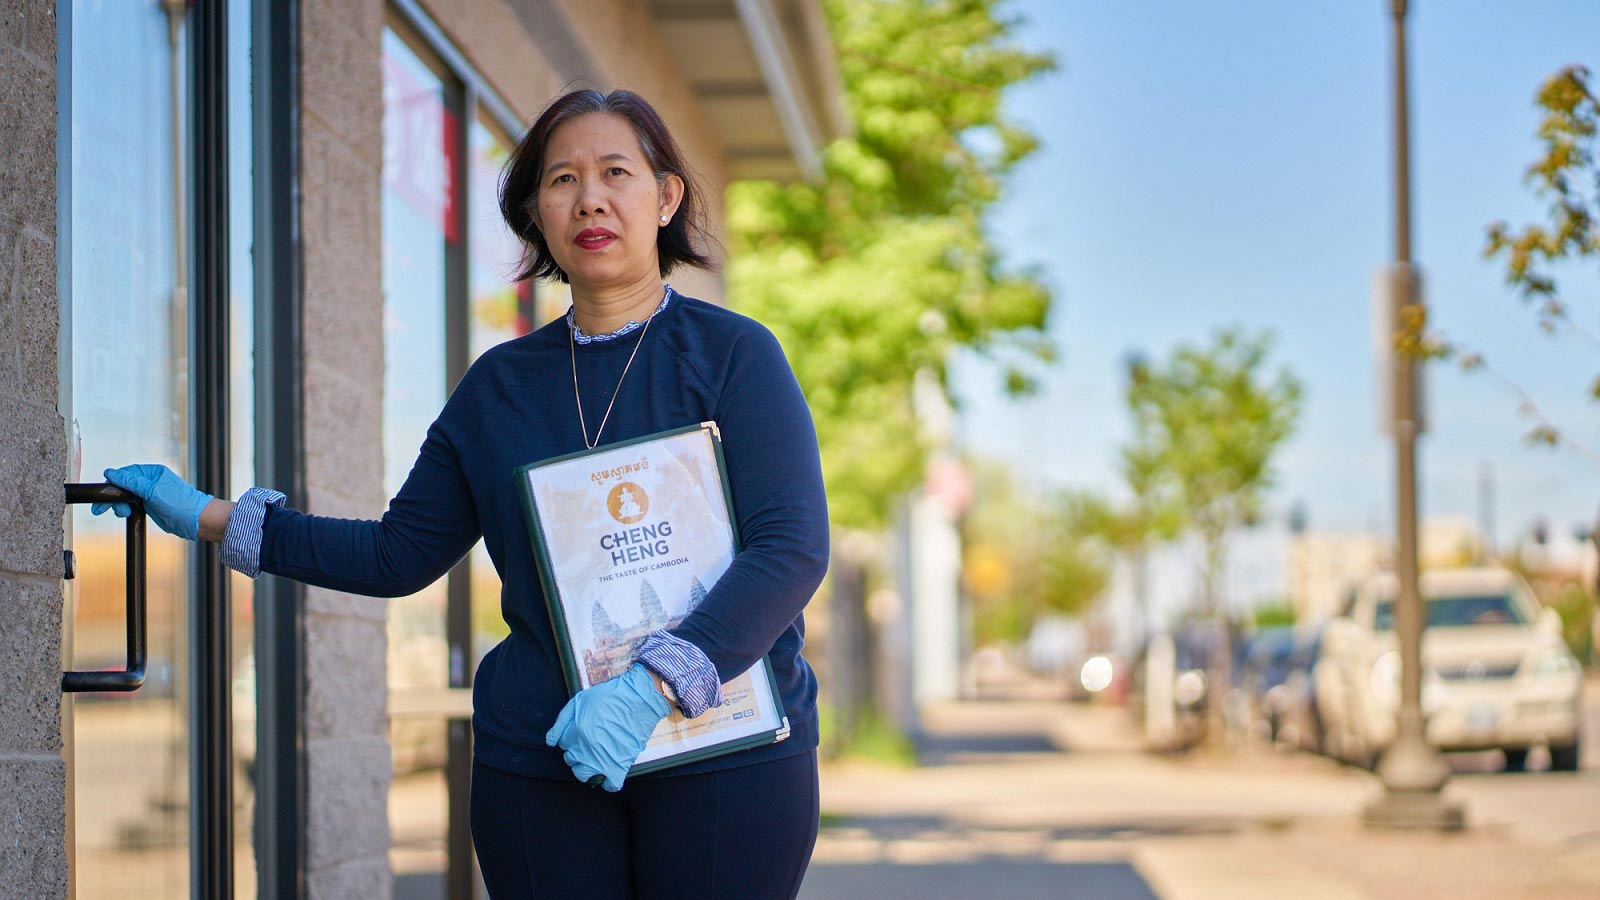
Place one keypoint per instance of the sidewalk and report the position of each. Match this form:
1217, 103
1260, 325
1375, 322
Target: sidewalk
1038, 798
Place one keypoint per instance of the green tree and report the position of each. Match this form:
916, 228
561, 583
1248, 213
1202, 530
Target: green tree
880, 270
1151, 516
1028, 556
1207, 423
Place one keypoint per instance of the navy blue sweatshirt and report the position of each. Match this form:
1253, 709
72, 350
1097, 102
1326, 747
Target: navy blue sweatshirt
697, 362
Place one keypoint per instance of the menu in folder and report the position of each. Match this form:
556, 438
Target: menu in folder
630, 538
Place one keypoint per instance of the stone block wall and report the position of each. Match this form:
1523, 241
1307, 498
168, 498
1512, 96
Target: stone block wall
33, 463
346, 684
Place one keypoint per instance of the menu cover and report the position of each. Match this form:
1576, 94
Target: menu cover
630, 537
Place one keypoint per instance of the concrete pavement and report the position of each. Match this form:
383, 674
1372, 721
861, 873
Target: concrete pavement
1038, 798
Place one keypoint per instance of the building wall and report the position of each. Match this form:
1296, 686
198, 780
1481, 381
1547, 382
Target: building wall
497, 43
345, 641
533, 50
33, 463
1324, 566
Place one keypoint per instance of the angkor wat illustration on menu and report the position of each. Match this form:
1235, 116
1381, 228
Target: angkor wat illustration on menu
619, 646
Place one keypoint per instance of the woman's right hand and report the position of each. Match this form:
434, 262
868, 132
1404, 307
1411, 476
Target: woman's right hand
173, 503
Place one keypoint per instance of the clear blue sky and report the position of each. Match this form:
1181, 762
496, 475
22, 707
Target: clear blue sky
1228, 162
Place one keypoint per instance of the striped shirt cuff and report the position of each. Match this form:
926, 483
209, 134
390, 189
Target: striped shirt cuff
685, 667
241, 543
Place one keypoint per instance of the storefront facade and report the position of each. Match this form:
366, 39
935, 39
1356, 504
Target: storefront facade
258, 242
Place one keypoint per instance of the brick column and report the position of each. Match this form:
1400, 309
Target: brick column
341, 147
33, 463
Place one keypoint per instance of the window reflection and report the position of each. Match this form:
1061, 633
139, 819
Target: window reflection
420, 226
426, 218
128, 323
501, 311
241, 438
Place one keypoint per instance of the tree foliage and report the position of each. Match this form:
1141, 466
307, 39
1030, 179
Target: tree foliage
881, 268
1151, 516
1566, 175
1028, 554
1207, 423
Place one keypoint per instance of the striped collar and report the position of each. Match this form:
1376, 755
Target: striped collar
581, 338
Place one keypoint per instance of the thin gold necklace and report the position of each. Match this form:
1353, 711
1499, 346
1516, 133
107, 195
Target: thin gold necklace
572, 345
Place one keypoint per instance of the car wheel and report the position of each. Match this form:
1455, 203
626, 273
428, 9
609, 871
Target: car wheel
1516, 759
1316, 734
1368, 760
1564, 758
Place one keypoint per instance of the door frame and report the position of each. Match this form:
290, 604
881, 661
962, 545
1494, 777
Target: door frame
279, 446
210, 613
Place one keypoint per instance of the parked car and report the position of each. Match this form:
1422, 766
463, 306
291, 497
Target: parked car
1263, 675
1301, 726
1193, 646
1496, 674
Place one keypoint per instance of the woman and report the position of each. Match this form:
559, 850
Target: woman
602, 199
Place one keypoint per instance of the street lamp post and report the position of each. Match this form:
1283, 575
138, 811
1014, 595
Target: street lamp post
1413, 773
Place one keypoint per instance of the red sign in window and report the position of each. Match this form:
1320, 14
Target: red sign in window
420, 147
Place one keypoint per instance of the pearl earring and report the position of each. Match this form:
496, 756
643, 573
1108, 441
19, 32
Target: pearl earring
663, 220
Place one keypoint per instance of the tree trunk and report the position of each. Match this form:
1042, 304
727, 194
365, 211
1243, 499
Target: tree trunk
849, 686
1142, 626
1220, 664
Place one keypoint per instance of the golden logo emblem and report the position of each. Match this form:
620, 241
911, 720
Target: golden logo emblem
628, 503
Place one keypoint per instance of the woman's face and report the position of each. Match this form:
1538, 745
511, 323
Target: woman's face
600, 205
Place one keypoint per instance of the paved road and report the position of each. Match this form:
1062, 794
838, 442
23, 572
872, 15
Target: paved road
1046, 800
1560, 808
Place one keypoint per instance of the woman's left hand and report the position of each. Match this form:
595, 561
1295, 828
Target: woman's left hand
603, 729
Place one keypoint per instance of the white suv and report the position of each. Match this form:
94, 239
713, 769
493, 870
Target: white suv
1496, 674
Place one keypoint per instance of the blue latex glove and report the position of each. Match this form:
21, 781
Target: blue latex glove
173, 503
603, 729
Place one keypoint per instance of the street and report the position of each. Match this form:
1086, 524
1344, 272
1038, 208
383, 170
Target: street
1033, 798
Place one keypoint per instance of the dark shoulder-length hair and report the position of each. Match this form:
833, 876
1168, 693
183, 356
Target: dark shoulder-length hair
680, 242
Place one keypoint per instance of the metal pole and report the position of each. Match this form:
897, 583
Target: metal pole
1488, 553
1413, 772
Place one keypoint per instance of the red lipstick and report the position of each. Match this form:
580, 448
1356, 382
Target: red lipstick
594, 238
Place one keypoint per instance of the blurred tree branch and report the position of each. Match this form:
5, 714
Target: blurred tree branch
1567, 175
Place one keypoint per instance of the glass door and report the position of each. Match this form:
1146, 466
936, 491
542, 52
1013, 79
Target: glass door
129, 388
132, 372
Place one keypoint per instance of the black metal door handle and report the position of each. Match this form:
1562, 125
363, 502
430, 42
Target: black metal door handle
130, 678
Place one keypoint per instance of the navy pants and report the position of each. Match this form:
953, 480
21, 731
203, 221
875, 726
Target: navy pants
744, 833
